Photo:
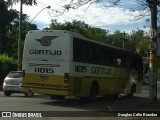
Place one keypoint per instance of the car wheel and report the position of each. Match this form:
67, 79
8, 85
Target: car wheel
7, 93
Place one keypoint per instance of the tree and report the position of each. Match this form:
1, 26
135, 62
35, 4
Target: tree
13, 32
142, 5
6, 18
140, 42
8, 15
82, 28
9, 29
26, 2
137, 41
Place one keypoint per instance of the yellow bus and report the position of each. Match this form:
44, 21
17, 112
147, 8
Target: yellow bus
62, 63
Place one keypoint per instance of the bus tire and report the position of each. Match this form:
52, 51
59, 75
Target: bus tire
133, 79
28, 94
133, 90
93, 92
57, 97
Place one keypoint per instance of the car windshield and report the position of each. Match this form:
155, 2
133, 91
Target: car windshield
14, 74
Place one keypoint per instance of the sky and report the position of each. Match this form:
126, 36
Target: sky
95, 15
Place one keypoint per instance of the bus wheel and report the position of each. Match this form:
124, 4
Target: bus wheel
29, 94
133, 90
57, 97
93, 92
133, 79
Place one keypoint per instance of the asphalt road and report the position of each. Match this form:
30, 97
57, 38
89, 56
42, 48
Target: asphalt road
140, 102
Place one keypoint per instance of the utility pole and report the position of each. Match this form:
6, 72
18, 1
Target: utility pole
124, 39
20, 36
152, 60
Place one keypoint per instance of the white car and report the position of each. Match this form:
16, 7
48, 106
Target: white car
12, 83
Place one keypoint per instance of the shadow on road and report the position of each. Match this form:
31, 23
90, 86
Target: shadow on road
122, 103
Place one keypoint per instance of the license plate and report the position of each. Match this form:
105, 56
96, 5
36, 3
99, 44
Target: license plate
11, 88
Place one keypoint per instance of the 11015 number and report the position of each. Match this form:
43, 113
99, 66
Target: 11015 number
43, 70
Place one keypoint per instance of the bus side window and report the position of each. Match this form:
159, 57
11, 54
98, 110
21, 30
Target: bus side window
114, 58
90, 53
108, 58
77, 46
114, 62
99, 55
87, 52
125, 61
84, 53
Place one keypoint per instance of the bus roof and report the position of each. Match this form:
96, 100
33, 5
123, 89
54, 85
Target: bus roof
78, 35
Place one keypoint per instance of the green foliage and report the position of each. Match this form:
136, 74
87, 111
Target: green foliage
9, 28
140, 42
9, 32
26, 2
13, 35
7, 64
6, 59
6, 19
82, 28
137, 41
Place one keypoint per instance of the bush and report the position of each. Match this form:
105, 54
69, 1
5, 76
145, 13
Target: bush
6, 64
